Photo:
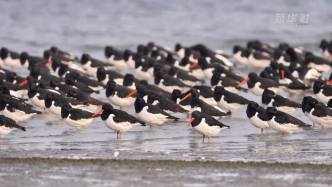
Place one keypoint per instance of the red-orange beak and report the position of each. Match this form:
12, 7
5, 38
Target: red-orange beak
192, 119
244, 81
274, 95
100, 111
49, 63
330, 82
309, 64
194, 65
185, 97
24, 82
132, 93
282, 74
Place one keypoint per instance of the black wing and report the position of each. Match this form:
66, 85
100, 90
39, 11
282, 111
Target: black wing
210, 110
9, 123
171, 81
156, 110
213, 122
327, 90
261, 113
122, 116
235, 98
280, 101
284, 118
77, 114
123, 91
15, 104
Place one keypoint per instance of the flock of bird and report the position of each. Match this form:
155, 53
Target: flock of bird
193, 80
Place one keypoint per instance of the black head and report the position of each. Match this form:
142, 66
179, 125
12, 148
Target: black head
85, 58
4, 98
143, 82
272, 110
72, 93
154, 54
126, 54
177, 47
139, 104
169, 58
329, 104
138, 62
202, 62
252, 75
65, 110
304, 102
109, 51
47, 54
54, 49
35, 71
318, 86
152, 97
274, 65
172, 71
4, 90
107, 107
101, 73
4, 53
176, 94
160, 75
128, 80
32, 90
23, 57
312, 101
184, 61
70, 81
196, 114
269, 93
253, 105
219, 90
283, 46
324, 44
110, 88
151, 45
215, 79
237, 48
54, 83
264, 74
292, 54
42, 85
309, 58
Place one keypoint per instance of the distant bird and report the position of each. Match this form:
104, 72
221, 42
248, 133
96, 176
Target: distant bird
318, 112
7, 125
15, 109
229, 100
37, 95
92, 103
118, 120
201, 106
229, 84
206, 125
270, 99
240, 55
10, 58
168, 83
177, 96
151, 114
115, 57
257, 116
118, 95
91, 65
80, 86
258, 58
282, 122
322, 91
92, 83
54, 102
76, 117
104, 76
184, 76
257, 85
318, 63
165, 104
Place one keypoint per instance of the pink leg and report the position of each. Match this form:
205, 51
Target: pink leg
44, 110
230, 113
262, 130
12, 68
203, 138
188, 115
283, 136
120, 135
120, 107
117, 135
313, 124
209, 138
290, 97
150, 127
322, 126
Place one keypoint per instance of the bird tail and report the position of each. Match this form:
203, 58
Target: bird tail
225, 127
22, 128
37, 112
243, 89
172, 117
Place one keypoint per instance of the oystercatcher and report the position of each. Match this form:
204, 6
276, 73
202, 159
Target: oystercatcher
177, 96
118, 120
76, 117
206, 94
206, 125
322, 91
269, 98
318, 112
257, 84
165, 104
304, 72
257, 116
187, 65
318, 63
153, 88
55, 50
168, 83
151, 114
10, 58
91, 65
115, 57
129, 81
199, 105
7, 125
15, 109
118, 95
228, 100
144, 68
240, 55
128, 57
104, 76
37, 95
184, 77
258, 58
92, 103
282, 122
48, 55
229, 84
54, 102
80, 86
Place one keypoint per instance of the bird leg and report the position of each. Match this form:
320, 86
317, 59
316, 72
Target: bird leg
78, 128
209, 138
322, 126
230, 113
117, 135
150, 127
313, 124
290, 96
12, 68
262, 130
22, 96
188, 115
203, 138
283, 136
44, 110
120, 107
120, 135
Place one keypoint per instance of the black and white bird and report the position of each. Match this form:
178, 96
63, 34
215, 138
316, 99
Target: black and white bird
168, 83
228, 83
257, 116
322, 91
10, 58
165, 104
115, 57
317, 112
91, 65
206, 125
92, 83
15, 109
118, 95
104, 76
151, 114
76, 117
8, 125
229, 100
320, 64
258, 58
37, 95
240, 55
177, 96
54, 102
282, 122
92, 103
118, 120
184, 76
270, 99
199, 105
257, 84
